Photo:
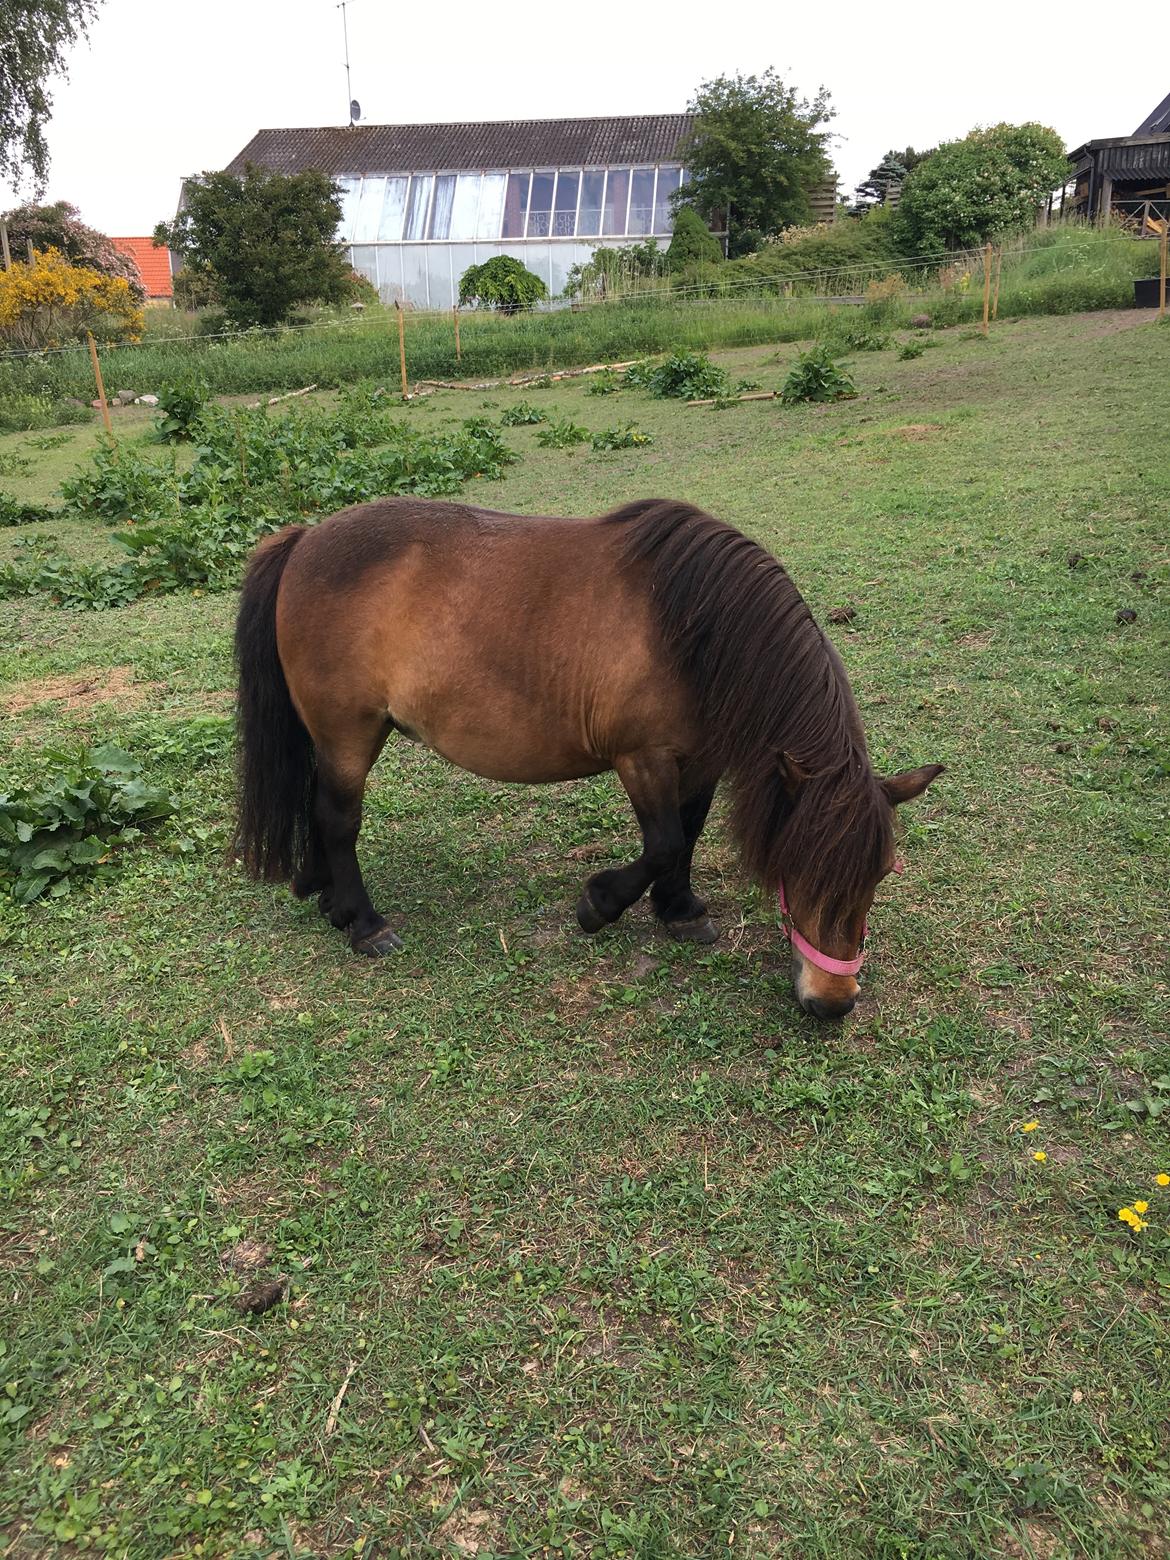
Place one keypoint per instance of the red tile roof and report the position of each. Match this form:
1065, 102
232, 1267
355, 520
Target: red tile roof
153, 262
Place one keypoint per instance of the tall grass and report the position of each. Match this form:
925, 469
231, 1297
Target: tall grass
1054, 271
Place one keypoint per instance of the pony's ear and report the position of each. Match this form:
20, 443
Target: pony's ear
910, 783
792, 774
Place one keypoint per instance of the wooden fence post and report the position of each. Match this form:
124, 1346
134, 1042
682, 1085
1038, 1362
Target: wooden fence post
998, 273
4, 246
401, 344
458, 353
986, 286
1162, 253
101, 389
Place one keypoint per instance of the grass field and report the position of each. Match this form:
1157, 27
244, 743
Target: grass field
600, 1247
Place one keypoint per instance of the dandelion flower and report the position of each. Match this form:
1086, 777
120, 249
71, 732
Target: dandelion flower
1126, 1215
1039, 1156
1029, 1126
1163, 1179
1141, 1207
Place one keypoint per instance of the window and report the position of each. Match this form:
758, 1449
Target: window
416, 206
642, 201
369, 211
668, 182
393, 210
540, 205
516, 205
617, 195
565, 206
351, 189
491, 205
465, 211
592, 191
440, 226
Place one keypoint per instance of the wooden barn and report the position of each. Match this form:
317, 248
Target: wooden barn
1125, 178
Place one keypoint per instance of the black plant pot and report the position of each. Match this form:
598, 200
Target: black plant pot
1145, 292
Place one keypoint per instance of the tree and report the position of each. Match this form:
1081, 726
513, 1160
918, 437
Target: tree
889, 175
50, 302
692, 241
754, 153
990, 182
60, 227
266, 241
501, 283
35, 36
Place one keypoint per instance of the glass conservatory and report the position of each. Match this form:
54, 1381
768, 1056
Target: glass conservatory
413, 235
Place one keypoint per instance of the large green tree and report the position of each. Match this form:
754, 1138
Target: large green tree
757, 148
35, 36
266, 241
990, 182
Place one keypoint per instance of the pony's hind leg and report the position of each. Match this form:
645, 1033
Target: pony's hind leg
341, 780
651, 781
676, 905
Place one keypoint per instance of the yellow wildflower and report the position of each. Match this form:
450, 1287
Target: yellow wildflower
1029, 1126
1163, 1179
1141, 1207
1126, 1215
1039, 1156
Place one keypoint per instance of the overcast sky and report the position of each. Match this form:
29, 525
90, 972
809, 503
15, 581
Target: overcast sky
160, 90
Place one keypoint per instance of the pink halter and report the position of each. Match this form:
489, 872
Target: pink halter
814, 955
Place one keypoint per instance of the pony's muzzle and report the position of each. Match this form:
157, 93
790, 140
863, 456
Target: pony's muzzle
822, 995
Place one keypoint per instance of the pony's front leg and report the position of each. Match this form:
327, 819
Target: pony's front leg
651, 781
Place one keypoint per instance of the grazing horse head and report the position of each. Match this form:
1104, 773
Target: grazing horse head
812, 818
839, 841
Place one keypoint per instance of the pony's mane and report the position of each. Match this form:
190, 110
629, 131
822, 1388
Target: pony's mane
774, 701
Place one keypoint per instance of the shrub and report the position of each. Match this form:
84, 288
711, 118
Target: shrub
626, 438
501, 283
685, 376
857, 338
181, 404
120, 484
50, 302
611, 271
561, 434
915, 347
692, 242
60, 227
521, 415
817, 376
24, 413
89, 806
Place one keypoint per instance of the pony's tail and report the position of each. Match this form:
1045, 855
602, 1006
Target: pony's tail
275, 762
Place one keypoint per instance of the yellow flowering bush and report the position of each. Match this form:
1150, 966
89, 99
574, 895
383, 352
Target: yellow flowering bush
49, 302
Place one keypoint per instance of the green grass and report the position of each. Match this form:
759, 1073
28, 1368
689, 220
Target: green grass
1058, 271
627, 1256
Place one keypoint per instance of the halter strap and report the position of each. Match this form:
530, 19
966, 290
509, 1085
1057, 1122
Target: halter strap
814, 955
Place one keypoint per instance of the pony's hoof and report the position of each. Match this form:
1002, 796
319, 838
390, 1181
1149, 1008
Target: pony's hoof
700, 930
589, 917
375, 944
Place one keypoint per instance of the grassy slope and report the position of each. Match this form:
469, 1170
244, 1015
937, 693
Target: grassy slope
628, 1256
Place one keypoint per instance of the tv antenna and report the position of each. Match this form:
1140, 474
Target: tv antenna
355, 108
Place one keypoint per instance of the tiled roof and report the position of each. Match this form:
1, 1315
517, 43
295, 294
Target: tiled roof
153, 262
507, 143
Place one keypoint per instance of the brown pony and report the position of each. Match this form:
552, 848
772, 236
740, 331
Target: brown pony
655, 641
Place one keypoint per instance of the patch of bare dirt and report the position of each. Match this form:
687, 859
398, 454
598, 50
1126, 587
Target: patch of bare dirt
468, 1531
81, 690
1109, 321
914, 432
